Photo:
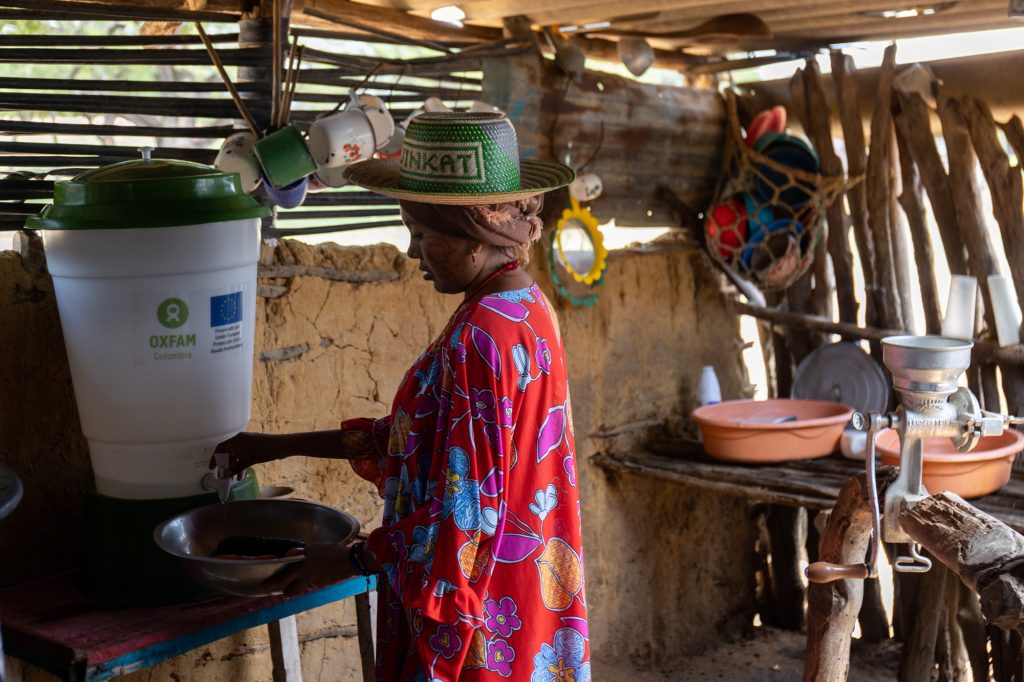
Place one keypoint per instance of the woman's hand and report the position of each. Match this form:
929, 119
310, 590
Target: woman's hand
244, 450
325, 564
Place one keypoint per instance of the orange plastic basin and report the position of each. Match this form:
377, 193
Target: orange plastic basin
750, 430
982, 471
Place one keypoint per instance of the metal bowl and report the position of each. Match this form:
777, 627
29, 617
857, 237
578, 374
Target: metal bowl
194, 535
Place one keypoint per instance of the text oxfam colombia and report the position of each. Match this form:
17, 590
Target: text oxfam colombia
188, 326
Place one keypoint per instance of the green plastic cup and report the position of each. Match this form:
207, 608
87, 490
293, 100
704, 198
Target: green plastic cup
284, 156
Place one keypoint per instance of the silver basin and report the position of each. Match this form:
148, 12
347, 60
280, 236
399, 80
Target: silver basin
194, 535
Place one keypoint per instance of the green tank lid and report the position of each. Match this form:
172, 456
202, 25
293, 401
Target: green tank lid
145, 193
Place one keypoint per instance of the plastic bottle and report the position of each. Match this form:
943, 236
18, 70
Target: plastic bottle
708, 391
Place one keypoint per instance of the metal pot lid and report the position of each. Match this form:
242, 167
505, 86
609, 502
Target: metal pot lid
10, 490
147, 192
843, 373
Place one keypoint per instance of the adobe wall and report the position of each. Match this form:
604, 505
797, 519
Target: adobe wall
668, 569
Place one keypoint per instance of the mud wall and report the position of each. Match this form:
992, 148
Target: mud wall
668, 569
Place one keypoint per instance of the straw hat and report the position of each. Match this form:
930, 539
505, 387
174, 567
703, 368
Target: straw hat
460, 158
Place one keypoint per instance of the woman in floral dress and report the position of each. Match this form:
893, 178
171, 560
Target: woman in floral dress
479, 552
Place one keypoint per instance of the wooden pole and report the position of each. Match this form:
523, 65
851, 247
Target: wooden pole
912, 201
981, 259
913, 120
242, 109
818, 125
848, 105
1014, 131
899, 237
879, 168
1003, 181
832, 607
983, 351
800, 294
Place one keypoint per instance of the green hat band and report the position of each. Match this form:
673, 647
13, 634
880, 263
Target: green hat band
460, 152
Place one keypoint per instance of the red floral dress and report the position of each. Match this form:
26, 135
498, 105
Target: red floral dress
480, 546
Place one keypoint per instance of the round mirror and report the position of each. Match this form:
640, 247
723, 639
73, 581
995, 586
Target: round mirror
580, 245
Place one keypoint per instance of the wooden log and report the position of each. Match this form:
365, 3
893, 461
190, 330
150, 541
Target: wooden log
787, 532
818, 125
848, 105
983, 351
47, 128
913, 120
959, 662
974, 232
832, 607
987, 554
51, 55
134, 11
800, 293
1007, 665
874, 625
972, 625
1014, 131
31, 40
918, 656
899, 238
1004, 184
877, 180
912, 201
411, 26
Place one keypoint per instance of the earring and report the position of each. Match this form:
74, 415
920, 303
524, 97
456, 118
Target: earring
473, 253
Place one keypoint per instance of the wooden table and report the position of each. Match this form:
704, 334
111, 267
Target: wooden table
51, 624
813, 484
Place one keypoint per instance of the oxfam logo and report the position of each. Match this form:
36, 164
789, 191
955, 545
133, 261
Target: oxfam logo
172, 313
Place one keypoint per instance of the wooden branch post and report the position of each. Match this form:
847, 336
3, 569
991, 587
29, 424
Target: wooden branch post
879, 168
818, 126
832, 607
912, 201
848, 106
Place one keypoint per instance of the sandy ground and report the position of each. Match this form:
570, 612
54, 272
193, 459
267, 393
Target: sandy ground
770, 656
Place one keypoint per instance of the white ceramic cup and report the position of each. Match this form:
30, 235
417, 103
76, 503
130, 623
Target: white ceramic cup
330, 177
1005, 309
586, 187
380, 119
961, 304
236, 156
434, 104
479, 105
342, 138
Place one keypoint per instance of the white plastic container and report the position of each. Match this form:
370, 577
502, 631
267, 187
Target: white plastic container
158, 319
708, 391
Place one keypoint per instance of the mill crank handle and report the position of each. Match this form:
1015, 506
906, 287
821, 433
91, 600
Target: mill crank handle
826, 572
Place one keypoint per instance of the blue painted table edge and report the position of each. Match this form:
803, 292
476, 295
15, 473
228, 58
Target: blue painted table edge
156, 653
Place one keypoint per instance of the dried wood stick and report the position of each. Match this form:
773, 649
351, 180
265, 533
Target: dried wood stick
899, 237
282, 116
1014, 131
242, 109
913, 121
275, 73
912, 201
290, 94
879, 167
856, 161
819, 127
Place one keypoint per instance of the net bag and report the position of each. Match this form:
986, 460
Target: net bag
768, 214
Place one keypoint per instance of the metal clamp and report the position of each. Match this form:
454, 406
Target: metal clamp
915, 563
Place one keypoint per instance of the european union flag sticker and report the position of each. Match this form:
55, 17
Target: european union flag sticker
226, 309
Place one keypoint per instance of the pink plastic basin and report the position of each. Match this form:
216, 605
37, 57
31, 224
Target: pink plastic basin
752, 430
982, 471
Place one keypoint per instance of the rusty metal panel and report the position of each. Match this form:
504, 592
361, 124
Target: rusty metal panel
652, 134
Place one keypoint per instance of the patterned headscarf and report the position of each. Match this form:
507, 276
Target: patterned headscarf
515, 224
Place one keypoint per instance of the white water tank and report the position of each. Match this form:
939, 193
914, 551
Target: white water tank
154, 270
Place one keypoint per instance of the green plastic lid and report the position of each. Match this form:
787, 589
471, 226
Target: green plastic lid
145, 193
